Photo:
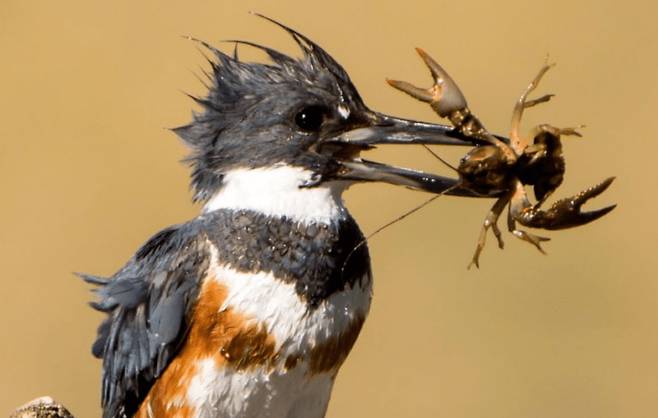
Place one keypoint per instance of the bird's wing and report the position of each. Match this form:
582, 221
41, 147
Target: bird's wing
149, 303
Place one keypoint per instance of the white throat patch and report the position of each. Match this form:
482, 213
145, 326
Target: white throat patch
275, 191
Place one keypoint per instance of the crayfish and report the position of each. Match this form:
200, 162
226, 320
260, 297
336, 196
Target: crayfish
502, 168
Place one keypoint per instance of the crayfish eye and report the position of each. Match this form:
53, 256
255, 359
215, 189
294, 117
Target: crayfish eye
310, 118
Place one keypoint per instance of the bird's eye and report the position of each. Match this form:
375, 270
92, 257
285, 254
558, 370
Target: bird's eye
310, 118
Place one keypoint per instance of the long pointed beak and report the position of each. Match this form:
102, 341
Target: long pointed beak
384, 129
371, 171
381, 129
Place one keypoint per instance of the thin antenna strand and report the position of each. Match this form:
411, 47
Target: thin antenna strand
439, 158
392, 222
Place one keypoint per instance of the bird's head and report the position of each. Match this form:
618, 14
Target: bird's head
303, 114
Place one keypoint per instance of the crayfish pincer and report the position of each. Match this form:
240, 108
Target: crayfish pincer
503, 168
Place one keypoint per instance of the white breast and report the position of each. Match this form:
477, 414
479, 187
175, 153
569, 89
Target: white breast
277, 392
285, 315
257, 394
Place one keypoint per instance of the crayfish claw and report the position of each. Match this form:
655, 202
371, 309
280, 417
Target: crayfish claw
424, 95
448, 96
587, 217
566, 213
593, 191
444, 96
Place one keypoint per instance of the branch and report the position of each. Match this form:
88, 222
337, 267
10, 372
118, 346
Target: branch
45, 407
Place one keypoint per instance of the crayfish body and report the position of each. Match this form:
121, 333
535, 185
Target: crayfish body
501, 168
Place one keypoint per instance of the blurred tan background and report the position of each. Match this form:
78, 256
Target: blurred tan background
88, 172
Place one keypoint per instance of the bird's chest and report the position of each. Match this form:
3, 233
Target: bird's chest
270, 329
269, 353
317, 259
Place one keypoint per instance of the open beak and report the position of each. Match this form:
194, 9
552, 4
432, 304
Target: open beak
382, 129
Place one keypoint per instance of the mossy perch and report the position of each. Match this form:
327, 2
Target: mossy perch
45, 407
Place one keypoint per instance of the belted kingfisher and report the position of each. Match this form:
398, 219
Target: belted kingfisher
250, 309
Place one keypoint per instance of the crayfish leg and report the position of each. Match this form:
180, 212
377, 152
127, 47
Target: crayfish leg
519, 204
535, 102
526, 236
519, 143
490, 221
555, 131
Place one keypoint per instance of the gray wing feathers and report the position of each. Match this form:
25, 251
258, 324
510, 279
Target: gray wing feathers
148, 303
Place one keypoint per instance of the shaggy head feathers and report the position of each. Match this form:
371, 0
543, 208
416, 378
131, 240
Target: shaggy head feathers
247, 117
